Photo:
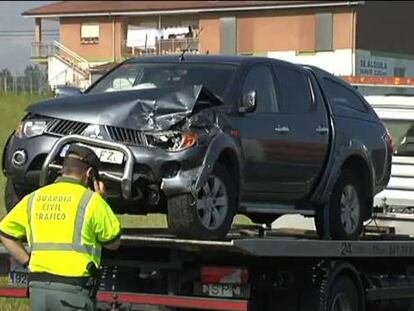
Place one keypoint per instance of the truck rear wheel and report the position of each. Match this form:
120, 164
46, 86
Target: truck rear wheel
210, 215
342, 296
346, 209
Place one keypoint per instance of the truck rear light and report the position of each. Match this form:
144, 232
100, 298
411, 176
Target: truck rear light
224, 275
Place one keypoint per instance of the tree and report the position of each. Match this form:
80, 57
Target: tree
32, 77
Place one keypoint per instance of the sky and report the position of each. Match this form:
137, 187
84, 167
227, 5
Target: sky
15, 47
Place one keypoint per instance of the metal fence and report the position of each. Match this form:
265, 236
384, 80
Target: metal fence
24, 84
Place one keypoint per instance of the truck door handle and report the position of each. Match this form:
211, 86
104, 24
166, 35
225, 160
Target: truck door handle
282, 129
322, 129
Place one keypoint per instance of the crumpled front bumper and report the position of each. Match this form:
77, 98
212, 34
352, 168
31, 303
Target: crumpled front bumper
189, 165
141, 163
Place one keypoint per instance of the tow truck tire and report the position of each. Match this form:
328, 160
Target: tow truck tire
188, 217
343, 295
11, 196
346, 209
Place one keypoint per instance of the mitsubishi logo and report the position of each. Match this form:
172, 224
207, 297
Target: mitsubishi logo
93, 131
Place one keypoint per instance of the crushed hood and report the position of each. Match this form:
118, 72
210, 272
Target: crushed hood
150, 109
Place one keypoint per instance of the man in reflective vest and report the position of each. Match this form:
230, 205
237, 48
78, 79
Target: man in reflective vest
65, 224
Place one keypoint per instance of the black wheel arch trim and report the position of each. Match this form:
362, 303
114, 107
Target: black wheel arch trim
192, 180
219, 144
341, 156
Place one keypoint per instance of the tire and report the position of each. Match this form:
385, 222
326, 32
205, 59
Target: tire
347, 209
193, 218
11, 196
342, 296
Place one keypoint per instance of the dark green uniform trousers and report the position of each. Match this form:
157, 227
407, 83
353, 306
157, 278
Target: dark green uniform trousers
49, 296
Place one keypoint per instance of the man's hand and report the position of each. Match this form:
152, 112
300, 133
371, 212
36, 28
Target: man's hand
16, 250
99, 186
113, 246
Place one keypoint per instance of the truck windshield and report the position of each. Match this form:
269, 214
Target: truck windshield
135, 76
402, 133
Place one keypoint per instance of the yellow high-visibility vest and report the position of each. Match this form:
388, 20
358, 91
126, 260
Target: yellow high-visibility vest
65, 225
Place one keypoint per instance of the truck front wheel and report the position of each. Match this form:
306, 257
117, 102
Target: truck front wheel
208, 216
342, 296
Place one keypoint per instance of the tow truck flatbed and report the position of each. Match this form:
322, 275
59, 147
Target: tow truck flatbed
255, 270
279, 244
275, 243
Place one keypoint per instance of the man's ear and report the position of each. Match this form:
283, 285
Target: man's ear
89, 172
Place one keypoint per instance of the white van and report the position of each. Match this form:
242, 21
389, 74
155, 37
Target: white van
397, 112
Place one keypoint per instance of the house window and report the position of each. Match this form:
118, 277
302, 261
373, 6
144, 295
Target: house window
399, 72
324, 32
89, 33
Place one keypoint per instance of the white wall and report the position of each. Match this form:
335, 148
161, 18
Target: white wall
60, 73
344, 63
339, 62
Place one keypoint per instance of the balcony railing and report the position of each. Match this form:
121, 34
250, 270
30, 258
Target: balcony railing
45, 50
42, 49
163, 47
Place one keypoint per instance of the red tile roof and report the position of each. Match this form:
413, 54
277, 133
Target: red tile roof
104, 7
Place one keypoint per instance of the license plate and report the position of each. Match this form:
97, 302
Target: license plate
18, 278
224, 290
105, 155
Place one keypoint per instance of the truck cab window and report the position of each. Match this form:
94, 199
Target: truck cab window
342, 96
260, 80
295, 90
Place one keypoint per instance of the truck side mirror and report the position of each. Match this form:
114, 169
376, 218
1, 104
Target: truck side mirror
249, 102
62, 91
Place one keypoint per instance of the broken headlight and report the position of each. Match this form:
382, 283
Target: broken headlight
173, 141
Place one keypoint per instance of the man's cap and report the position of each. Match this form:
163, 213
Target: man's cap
84, 154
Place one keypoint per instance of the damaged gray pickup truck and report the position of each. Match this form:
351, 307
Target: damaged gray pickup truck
202, 138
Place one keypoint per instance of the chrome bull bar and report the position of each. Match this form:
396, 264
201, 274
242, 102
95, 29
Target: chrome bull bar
127, 176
